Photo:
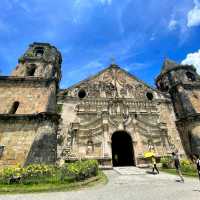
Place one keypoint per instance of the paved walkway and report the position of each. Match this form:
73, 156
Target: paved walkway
126, 184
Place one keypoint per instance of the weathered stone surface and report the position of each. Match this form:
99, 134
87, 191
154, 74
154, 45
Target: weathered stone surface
113, 100
40, 60
28, 118
183, 84
28, 139
33, 95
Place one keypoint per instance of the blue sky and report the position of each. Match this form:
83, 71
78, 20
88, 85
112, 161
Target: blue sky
139, 34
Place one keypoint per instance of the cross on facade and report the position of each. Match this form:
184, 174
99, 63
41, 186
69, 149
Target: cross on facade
112, 60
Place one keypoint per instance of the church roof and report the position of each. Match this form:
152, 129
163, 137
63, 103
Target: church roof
113, 65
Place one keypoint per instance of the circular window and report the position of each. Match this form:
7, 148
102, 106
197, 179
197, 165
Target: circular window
149, 96
190, 76
81, 93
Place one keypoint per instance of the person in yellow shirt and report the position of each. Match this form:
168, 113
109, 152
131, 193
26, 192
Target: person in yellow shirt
154, 165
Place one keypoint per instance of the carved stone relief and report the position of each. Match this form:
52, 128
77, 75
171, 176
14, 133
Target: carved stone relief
115, 101
112, 83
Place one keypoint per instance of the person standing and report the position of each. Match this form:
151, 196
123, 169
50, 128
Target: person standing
116, 159
177, 165
154, 165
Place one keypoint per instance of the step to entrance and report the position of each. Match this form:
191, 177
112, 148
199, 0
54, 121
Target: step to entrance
129, 170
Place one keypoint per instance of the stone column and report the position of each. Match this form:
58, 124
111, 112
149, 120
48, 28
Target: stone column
105, 152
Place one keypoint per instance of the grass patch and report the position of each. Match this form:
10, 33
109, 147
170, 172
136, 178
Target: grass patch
185, 173
52, 187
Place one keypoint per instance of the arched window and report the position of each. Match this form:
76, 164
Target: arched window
39, 51
14, 107
163, 87
31, 70
190, 76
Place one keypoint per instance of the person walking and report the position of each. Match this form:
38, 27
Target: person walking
154, 164
197, 159
177, 165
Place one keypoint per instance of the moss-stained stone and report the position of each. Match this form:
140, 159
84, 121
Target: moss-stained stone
28, 116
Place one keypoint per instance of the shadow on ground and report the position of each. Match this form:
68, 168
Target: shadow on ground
150, 172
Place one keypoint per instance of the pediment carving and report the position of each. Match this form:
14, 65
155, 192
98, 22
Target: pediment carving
111, 83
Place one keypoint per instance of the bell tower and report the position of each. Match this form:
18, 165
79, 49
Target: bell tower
182, 82
40, 60
28, 112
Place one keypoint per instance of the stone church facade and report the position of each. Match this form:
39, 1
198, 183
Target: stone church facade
112, 116
113, 106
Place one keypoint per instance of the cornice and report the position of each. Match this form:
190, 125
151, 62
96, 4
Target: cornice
39, 117
35, 81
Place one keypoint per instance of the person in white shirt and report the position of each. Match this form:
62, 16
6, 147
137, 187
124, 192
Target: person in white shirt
197, 159
177, 165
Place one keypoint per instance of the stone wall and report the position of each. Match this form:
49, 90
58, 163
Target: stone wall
190, 133
28, 139
42, 70
167, 116
33, 94
115, 101
154, 121
194, 97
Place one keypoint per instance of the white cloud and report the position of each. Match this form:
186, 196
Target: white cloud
172, 25
193, 16
194, 59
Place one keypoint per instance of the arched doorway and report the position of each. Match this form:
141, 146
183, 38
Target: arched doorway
122, 149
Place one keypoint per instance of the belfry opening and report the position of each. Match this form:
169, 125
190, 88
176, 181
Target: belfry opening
122, 149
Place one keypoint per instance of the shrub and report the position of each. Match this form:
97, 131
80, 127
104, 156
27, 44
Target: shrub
81, 170
185, 162
31, 174
166, 162
36, 173
40, 173
39, 170
10, 173
188, 166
